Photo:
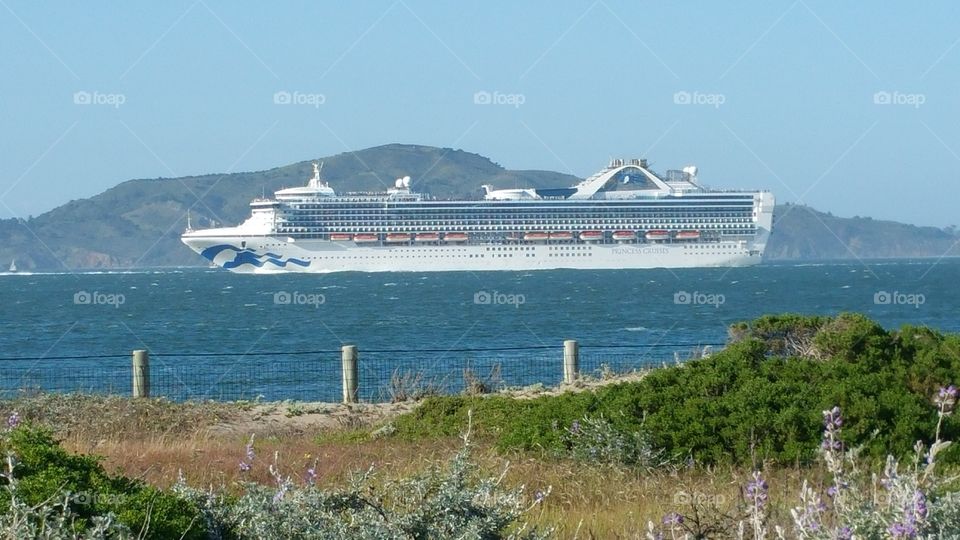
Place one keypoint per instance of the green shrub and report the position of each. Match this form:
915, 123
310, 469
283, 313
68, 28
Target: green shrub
757, 399
44, 471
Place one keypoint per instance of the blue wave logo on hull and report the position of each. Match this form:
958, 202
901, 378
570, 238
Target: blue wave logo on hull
250, 256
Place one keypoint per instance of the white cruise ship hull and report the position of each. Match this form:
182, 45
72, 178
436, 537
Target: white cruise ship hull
623, 217
266, 255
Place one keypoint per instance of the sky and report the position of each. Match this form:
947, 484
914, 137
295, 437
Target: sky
848, 107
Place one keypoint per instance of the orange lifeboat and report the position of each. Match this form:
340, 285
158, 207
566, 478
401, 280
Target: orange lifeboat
591, 236
561, 236
396, 238
658, 234
366, 238
455, 237
428, 237
340, 237
622, 236
536, 236
688, 235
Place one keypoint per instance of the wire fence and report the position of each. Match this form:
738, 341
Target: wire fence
382, 375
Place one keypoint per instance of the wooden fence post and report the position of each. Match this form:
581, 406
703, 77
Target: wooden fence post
571, 361
141, 374
349, 358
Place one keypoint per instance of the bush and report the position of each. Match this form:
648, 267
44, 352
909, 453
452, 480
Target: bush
751, 401
45, 474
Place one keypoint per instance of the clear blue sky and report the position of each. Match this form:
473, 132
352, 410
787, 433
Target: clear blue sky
782, 94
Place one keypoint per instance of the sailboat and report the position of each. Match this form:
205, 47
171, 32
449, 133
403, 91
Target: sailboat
13, 266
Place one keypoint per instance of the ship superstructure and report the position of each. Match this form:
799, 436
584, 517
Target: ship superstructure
624, 216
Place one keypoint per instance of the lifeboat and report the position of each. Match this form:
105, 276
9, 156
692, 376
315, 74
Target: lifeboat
688, 235
428, 237
536, 236
340, 237
455, 237
591, 236
658, 234
622, 236
561, 236
396, 238
366, 238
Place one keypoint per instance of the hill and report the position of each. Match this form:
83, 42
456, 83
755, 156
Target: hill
137, 223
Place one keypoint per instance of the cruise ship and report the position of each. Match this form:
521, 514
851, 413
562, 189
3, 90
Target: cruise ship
625, 216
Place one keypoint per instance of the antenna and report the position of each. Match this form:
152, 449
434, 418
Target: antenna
189, 228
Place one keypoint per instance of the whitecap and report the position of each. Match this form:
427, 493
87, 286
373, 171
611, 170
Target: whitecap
636, 329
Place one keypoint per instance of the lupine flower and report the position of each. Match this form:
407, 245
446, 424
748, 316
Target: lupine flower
832, 423
539, 496
946, 399
757, 491
844, 533
672, 519
920, 505
248, 463
14, 420
902, 530
311, 476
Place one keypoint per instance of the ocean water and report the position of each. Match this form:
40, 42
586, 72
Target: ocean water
214, 334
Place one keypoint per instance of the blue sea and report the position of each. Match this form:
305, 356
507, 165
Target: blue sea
214, 334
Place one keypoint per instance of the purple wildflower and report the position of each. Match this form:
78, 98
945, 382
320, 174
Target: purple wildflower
757, 491
920, 505
832, 423
248, 463
311, 476
673, 519
575, 427
539, 496
844, 533
281, 492
14, 420
902, 530
946, 399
